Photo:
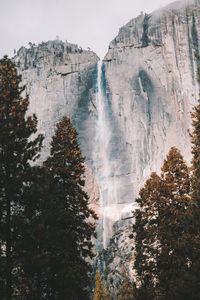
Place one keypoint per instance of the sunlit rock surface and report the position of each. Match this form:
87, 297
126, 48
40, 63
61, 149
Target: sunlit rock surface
119, 259
151, 73
60, 79
128, 110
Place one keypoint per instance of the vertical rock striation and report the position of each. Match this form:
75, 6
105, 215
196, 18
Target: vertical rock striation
151, 73
148, 85
60, 79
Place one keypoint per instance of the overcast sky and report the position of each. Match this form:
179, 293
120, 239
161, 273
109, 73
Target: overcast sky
88, 23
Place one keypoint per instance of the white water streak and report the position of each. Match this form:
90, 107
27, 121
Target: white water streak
106, 167
103, 135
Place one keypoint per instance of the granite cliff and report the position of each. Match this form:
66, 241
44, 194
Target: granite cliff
151, 72
60, 80
128, 110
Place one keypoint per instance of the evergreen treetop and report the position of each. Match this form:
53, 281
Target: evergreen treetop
162, 227
18, 149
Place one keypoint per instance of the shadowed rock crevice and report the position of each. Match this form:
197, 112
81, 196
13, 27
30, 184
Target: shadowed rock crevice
145, 36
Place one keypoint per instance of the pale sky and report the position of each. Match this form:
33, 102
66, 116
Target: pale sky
88, 23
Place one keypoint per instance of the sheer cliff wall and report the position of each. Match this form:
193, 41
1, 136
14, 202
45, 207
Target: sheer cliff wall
144, 89
151, 72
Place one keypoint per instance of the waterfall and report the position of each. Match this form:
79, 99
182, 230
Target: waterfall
103, 160
102, 150
108, 166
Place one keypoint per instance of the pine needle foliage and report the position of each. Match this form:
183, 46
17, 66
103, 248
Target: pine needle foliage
162, 232
18, 148
98, 291
194, 249
67, 219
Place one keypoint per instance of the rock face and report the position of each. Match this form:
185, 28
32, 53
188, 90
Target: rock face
128, 110
151, 73
60, 79
149, 86
118, 260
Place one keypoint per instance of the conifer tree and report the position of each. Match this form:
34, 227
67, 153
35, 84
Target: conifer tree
146, 238
17, 150
98, 291
174, 215
195, 217
32, 272
67, 245
162, 232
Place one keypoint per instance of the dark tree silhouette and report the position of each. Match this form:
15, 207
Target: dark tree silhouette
162, 229
17, 150
65, 225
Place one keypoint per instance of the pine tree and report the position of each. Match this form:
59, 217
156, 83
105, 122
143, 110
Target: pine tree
98, 291
146, 238
194, 248
17, 150
32, 272
162, 232
67, 219
174, 215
